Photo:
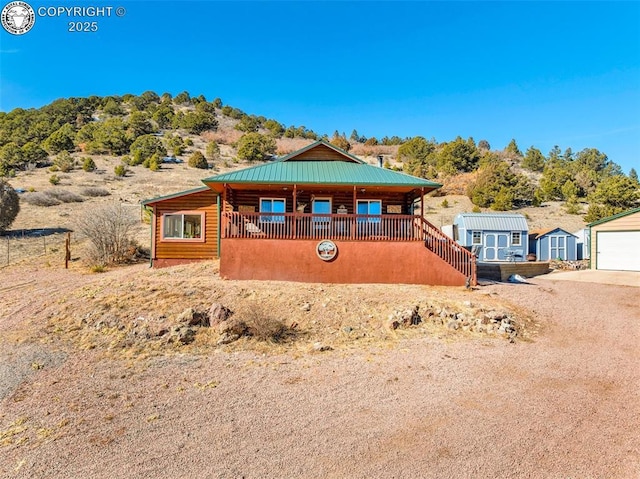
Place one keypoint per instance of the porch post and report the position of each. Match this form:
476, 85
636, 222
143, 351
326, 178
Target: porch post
295, 210
354, 223
421, 210
225, 219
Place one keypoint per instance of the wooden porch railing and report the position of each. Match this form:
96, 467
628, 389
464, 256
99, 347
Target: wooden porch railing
450, 251
291, 226
321, 226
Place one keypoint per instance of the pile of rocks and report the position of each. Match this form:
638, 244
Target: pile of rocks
472, 320
191, 319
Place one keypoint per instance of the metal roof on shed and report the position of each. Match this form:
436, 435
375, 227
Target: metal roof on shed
492, 222
321, 172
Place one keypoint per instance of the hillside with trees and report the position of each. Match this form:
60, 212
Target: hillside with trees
148, 130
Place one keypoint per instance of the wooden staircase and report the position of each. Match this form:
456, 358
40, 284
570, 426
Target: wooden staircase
451, 252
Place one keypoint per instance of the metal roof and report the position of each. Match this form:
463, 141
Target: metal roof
321, 172
614, 217
540, 233
492, 221
175, 195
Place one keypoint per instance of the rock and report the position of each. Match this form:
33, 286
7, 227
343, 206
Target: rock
306, 307
227, 338
183, 334
162, 332
453, 324
467, 304
218, 314
321, 347
394, 324
347, 329
495, 316
192, 317
234, 327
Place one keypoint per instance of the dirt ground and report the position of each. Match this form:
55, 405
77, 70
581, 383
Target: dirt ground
561, 402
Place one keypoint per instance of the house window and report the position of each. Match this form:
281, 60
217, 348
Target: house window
476, 237
516, 238
272, 205
183, 226
369, 207
321, 206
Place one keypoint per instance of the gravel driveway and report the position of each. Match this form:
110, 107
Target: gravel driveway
562, 406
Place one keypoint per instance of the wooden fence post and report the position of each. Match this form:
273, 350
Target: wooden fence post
67, 250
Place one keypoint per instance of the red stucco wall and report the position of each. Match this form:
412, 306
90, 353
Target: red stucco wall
356, 262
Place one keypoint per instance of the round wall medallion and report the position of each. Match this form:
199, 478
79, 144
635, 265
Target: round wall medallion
326, 250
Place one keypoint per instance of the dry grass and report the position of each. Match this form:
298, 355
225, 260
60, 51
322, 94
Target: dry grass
131, 312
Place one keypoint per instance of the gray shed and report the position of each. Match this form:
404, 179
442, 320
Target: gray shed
493, 236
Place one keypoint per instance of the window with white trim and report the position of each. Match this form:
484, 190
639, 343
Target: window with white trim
516, 238
476, 237
321, 206
183, 226
272, 205
369, 207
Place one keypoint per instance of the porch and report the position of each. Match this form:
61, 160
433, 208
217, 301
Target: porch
389, 231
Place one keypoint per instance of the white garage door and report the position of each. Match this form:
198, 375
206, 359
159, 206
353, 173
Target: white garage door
618, 250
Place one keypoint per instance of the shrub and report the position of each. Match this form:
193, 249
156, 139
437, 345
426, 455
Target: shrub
109, 228
94, 192
197, 160
444, 204
9, 205
40, 199
255, 146
120, 170
88, 164
65, 196
64, 162
213, 151
54, 179
262, 325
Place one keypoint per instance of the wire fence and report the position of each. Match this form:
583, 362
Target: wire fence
20, 245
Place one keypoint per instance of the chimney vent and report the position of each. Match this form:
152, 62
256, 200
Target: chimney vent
380, 160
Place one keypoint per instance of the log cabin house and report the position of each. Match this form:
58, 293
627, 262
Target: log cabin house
318, 214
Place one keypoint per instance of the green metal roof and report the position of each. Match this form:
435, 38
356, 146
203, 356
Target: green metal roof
321, 173
175, 195
614, 217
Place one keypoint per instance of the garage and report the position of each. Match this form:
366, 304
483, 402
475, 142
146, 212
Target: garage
615, 242
618, 251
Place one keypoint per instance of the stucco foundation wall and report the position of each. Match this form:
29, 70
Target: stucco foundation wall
356, 262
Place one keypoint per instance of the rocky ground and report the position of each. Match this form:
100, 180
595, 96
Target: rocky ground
91, 386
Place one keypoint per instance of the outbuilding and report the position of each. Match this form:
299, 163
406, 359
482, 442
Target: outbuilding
615, 242
493, 236
553, 244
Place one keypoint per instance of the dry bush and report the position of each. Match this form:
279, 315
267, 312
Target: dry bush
109, 228
65, 196
288, 145
223, 137
94, 192
262, 325
360, 149
40, 199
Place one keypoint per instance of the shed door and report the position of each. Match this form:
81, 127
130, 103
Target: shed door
558, 247
495, 246
618, 250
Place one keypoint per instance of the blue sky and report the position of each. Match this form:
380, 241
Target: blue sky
544, 73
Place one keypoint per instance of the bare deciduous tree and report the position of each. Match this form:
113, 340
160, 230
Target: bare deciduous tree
109, 229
